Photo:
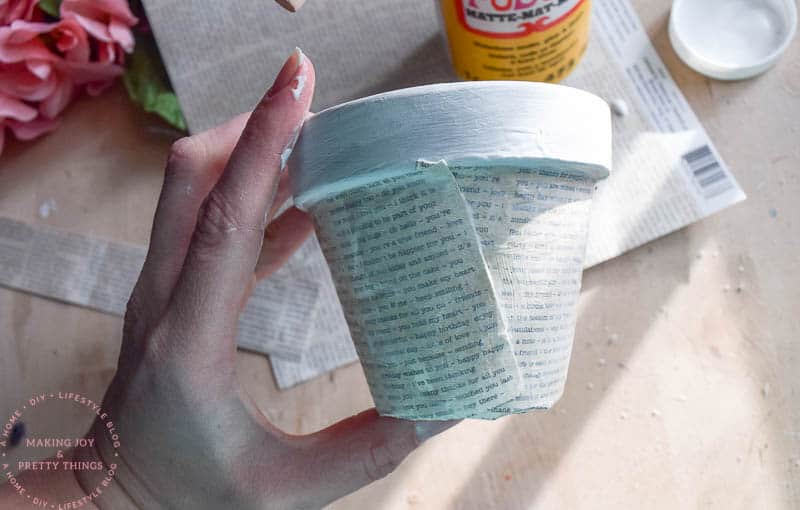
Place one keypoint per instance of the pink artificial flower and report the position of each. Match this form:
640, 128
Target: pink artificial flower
108, 21
22, 119
21, 41
35, 78
11, 10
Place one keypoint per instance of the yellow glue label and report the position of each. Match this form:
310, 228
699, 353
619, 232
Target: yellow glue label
534, 40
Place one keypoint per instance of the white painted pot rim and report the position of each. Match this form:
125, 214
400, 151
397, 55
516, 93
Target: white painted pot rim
469, 123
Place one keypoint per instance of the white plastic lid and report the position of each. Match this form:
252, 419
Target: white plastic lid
731, 39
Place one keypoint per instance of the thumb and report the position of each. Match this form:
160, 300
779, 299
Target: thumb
363, 448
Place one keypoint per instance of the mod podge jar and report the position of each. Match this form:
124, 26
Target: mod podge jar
533, 40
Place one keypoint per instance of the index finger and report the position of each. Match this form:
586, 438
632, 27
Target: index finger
230, 226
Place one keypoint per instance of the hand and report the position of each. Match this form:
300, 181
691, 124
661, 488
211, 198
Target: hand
190, 438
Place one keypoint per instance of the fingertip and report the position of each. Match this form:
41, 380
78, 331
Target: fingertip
295, 79
301, 86
361, 449
311, 78
278, 117
188, 151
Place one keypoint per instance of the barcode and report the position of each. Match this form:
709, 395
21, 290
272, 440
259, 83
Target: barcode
707, 171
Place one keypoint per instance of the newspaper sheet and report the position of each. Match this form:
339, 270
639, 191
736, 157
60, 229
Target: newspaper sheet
100, 274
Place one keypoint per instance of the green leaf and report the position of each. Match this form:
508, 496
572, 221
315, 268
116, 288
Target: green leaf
50, 7
148, 84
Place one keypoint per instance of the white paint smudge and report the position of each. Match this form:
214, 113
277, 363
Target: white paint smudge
47, 208
619, 107
287, 151
300, 77
297, 90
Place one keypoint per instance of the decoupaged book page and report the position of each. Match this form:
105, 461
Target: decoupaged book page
459, 284
418, 296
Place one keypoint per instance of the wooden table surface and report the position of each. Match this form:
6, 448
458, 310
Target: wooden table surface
695, 405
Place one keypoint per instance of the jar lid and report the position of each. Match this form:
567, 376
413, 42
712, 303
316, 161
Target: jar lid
731, 39
490, 123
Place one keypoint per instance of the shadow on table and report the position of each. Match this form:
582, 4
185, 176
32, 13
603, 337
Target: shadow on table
605, 331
